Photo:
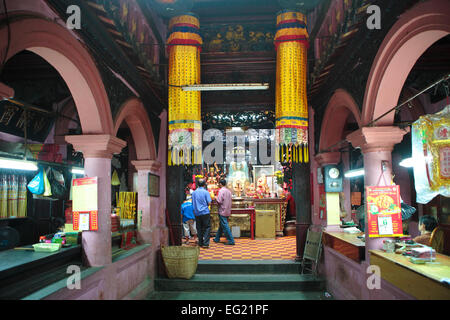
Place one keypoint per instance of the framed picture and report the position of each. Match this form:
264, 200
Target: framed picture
153, 185
266, 174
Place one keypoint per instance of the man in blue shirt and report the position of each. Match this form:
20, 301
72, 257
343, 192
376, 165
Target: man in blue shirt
187, 212
200, 202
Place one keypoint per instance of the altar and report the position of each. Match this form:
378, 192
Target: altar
244, 214
259, 194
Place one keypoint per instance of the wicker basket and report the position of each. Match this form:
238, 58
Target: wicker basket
180, 261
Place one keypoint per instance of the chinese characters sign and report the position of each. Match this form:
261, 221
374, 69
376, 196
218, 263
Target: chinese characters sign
12, 121
384, 211
85, 204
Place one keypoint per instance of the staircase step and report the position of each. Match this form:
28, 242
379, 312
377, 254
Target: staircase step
237, 295
248, 266
242, 282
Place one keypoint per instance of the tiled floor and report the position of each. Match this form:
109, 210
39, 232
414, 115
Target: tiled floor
282, 248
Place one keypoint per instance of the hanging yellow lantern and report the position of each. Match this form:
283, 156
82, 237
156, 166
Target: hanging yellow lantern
430, 139
185, 126
291, 128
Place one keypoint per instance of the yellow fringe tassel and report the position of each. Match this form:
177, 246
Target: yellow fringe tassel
307, 154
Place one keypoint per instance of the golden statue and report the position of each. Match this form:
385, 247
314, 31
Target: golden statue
213, 176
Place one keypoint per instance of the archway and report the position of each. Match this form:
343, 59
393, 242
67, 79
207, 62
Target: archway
136, 117
71, 59
340, 107
415, 31
342, 115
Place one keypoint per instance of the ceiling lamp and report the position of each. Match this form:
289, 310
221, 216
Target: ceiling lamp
18, 165
354, 173
407, 163
78, 171
226, 86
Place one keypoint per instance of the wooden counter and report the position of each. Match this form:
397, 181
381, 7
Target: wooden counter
422, 281
345, 243
23, 272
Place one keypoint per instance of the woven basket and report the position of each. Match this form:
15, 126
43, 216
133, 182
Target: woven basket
180, 261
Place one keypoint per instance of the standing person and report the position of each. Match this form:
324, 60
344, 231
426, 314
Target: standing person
224, 201
187, 212
200, 202
291, 211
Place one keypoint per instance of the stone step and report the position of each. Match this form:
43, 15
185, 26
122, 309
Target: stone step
248, 266
238, 295
242, 282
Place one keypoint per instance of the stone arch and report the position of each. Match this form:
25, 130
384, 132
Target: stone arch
71, 59
136, 117
415, 31
339, 108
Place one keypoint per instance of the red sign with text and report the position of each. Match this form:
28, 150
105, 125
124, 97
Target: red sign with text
322, 202
384, 211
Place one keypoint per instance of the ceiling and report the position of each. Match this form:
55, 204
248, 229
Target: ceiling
248, 63
227, 10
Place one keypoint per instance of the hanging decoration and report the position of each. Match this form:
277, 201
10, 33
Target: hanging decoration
185, 126
431, 153
291, 43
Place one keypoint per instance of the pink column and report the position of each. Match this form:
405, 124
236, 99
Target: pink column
148, 205
323, 159
376, 144
97, 151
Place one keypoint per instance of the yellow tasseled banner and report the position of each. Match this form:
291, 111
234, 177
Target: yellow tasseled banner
291, 106
184, 106
307, 154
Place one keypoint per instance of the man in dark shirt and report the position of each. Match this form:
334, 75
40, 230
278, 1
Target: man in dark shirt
200, 202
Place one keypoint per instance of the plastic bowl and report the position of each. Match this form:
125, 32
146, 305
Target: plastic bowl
46, 247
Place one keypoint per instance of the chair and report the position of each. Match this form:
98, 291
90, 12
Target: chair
437, 239
313, 249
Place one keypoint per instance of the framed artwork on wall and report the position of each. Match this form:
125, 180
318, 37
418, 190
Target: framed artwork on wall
263, 177
153, 185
